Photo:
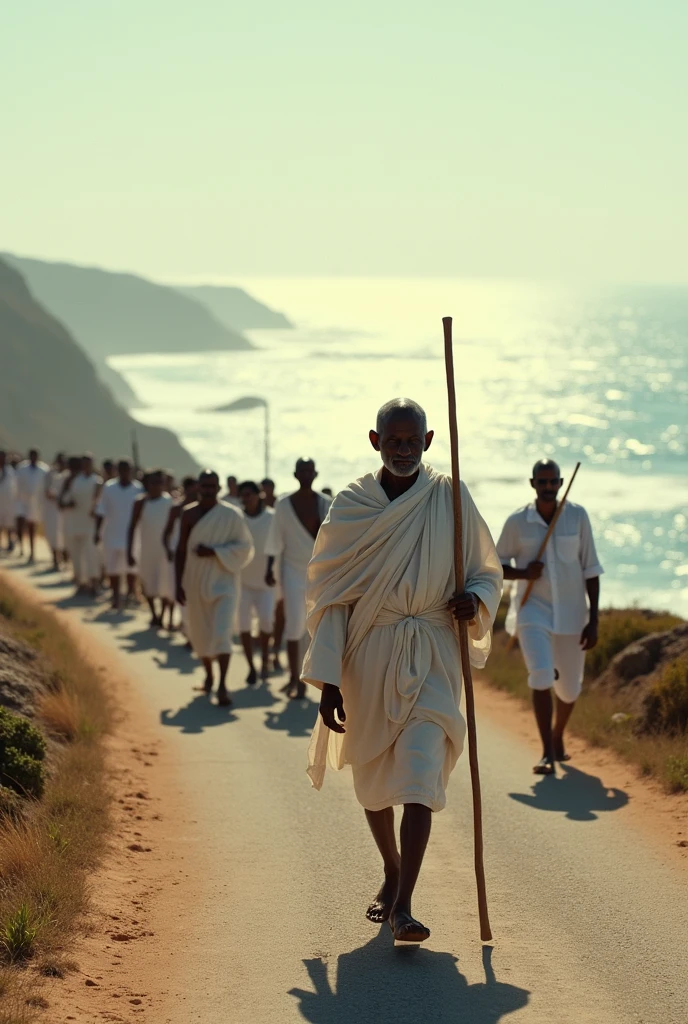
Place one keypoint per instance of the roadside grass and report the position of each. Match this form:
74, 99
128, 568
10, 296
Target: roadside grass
605, 719
47, 850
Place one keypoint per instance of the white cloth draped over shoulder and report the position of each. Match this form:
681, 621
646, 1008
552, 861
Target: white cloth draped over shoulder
212, 585
378, 585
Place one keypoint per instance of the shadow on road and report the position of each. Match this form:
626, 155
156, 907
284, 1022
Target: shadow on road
203, 713
575, 794
381, 982
199, 714
296, 718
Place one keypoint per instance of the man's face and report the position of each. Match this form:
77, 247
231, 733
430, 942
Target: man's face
305, 473
546, 483
190, 493
108, 470
86, 465
33, 456
402, 443
208, 488
250, 500
232, 485
156, 482
268, 488
124, 473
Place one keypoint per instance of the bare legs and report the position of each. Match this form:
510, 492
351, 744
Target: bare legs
223, 698
294, 688
247, 642
393, 901
563, 713
277, 635
22, 524
552, 738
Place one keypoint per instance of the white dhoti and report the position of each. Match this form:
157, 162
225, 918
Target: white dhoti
79, 496
30, 491
259, 602
379, 583
212, 584
152, 561
169, 583
84, 556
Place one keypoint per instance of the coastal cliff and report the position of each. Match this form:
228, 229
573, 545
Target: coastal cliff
51, 396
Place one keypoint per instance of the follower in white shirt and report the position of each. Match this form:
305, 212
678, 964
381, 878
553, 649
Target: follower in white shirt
558, 599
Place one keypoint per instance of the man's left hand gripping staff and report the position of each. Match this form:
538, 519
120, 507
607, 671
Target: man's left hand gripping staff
464, 607
332, 702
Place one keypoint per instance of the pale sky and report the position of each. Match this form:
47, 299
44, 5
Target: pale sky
517, 138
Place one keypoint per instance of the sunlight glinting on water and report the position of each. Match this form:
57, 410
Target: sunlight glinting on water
540, 371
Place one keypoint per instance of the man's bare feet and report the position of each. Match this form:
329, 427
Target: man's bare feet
252, 677
545, 766
223, 698
405, 928
265, 672
381, 907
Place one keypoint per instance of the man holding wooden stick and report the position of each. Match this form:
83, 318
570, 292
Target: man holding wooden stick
549, 612
384, 650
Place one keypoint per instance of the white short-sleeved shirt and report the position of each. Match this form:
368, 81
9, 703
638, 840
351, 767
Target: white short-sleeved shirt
253, 575
558, 599
115, 506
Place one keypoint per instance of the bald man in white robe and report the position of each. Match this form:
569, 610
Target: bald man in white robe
384, 646
215, 544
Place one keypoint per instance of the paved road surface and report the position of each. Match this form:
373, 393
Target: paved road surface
590, 925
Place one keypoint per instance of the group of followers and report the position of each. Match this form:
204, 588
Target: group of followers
370, 577
128, 528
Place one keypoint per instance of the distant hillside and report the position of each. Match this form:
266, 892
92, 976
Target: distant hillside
50, 395
235, 308
117, 314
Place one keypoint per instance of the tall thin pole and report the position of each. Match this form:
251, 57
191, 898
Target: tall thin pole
485, 930
267, 440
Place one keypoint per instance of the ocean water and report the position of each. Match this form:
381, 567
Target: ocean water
596, 375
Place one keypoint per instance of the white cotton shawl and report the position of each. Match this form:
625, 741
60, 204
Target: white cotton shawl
369, 551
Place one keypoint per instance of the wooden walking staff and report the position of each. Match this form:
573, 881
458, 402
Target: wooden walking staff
485, 930
541, 550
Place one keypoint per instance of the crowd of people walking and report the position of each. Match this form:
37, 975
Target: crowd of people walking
146, 536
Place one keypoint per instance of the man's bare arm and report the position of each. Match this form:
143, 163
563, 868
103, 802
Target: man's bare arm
135, 516
589, 634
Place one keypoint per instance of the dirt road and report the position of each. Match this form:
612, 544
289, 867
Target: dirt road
590, 916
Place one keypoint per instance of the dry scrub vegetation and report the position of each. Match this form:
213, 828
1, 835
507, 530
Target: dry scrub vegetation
48, 845
610, 719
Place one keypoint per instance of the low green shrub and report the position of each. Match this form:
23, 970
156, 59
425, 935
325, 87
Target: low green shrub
22, 750
18, 935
